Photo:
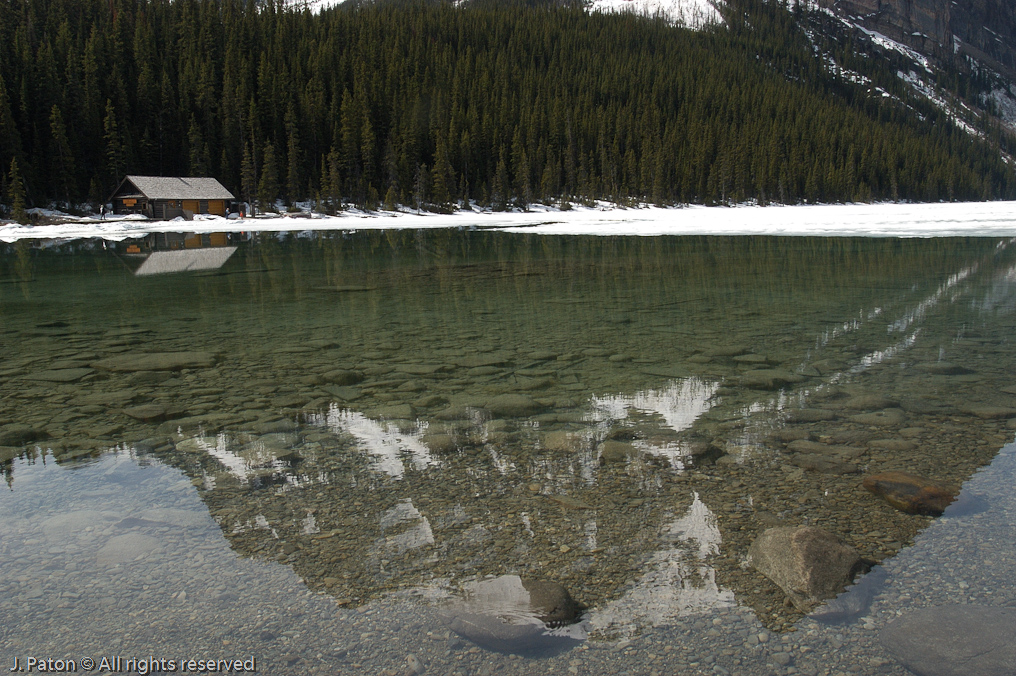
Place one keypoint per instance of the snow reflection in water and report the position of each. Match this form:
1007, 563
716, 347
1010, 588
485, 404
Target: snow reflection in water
679, 405
678, 580
385, 441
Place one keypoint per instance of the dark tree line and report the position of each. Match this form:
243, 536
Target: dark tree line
428, 105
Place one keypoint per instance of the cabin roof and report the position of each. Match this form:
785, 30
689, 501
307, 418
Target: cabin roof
173, 188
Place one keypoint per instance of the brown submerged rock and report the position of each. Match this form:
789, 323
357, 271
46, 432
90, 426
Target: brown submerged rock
616, 452
911, 493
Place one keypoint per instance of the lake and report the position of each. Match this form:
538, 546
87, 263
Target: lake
313, 449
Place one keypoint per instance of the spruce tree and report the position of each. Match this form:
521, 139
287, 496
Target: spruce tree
63, 158
268, 186
16, 193
116, 160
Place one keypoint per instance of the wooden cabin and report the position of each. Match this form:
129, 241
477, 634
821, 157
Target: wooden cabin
167, 197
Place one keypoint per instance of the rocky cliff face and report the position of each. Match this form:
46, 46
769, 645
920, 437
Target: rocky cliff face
984, 29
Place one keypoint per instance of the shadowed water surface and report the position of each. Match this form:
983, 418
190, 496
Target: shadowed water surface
314, 448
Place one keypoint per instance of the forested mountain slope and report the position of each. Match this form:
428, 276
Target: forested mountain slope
431, 104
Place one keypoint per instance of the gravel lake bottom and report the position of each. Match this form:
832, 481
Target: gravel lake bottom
323, 450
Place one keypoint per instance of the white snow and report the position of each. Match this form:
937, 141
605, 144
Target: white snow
889, 43
928, 92
947, 219
692, 13
1005, 101
314, 5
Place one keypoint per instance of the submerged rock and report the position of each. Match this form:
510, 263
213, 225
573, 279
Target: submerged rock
394, 412
513, 615
564, 442
64, 524
837, 450
911, 493
807, 415
153, 412
513, 406
440, 443
15, 435
480, 360
869, 402
943, 368
616, 452
896, 445
954, 640
809, 564
823, 463
342, 377
69, 375
126, 548
988, 412
769, 379
156, 361
890, 417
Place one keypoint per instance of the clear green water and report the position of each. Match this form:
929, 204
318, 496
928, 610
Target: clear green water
351, 427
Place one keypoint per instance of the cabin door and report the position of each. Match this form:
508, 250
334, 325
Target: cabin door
191, 206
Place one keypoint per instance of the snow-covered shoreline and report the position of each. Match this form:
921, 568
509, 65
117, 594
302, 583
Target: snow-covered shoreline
967, 219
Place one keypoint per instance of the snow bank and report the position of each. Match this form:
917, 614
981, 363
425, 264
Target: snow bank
980, 219
692, 13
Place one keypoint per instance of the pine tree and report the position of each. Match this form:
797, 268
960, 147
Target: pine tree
10, 137
333, 181
63, 159
248, 175
116, 152
499, 190
16, 193
197, 155
294, 159
420, 187
268, 186
391, 199
443, 178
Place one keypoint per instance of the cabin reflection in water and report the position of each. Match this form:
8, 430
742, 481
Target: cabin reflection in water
165, 252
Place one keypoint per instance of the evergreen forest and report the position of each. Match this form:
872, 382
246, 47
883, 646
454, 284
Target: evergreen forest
429, 105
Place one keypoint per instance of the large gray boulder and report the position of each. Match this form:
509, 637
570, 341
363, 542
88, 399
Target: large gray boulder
809, 564
954, 640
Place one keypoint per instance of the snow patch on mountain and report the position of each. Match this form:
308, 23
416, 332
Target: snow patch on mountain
1005, 104
691, 13
314, 5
